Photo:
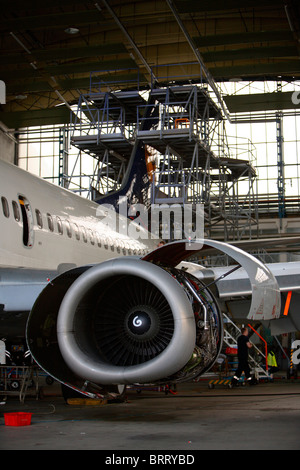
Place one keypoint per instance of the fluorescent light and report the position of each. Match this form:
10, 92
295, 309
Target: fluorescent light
72, 30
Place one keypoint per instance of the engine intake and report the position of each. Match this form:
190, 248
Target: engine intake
133, 321
121, 322
99, 321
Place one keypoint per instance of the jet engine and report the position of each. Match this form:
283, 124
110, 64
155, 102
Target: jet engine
134, 321
124, 321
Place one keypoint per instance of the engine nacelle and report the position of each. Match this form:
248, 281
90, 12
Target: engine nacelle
124, 321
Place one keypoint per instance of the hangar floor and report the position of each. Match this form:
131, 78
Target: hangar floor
265, 416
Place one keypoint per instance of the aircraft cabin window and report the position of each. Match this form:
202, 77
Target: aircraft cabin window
110, 244
98, 239
92, 239
39, 219
68, 227
50, 222
16, 211
84, 234
5, 207
59, 225
122, 245
76, 230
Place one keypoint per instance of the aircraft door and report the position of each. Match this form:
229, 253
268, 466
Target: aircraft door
27, 218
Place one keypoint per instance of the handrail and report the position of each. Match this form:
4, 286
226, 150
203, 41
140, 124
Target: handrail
264, 341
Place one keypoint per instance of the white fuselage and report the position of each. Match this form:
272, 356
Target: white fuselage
44, 226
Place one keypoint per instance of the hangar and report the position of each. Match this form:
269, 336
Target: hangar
205, 98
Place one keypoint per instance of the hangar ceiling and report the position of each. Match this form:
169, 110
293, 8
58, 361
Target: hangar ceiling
51, 49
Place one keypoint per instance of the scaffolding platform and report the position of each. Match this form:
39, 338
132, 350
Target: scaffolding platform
188, 95
182, 132
119, 147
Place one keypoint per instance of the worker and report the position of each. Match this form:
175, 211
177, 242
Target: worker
243, 366
272, 363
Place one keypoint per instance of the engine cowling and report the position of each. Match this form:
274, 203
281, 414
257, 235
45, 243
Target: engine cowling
124, 321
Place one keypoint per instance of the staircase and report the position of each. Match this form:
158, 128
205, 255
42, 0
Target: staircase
231, 334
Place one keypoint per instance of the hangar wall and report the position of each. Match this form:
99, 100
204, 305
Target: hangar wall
7, 145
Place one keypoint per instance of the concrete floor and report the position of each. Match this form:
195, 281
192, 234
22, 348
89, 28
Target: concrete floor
265, 416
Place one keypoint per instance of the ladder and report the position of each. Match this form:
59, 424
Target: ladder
231, 334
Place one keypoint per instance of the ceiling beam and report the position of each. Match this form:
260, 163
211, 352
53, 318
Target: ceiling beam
51, 116
29, 86
51, 21
243, 38
260, 102
66, 53
277, 70
36, 4
75, 68
87, 67
123, 79
250, 53
190, 6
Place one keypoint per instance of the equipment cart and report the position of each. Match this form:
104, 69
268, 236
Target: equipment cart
15, 381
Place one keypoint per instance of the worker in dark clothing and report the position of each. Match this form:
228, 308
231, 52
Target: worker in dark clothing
243, 346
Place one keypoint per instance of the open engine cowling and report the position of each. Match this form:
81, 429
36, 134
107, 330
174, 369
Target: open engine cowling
124, 321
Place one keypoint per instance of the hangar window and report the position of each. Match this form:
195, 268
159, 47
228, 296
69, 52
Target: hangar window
39, 219
50, 222
16, 211
5, 207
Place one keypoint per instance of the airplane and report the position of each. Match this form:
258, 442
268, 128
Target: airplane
100, 309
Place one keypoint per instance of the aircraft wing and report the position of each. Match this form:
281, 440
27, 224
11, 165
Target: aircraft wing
19, 288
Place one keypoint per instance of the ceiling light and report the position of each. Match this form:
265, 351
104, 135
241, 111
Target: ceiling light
72, 30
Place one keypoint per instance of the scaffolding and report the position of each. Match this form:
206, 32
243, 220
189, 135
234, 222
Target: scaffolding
188, 158
104, 127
